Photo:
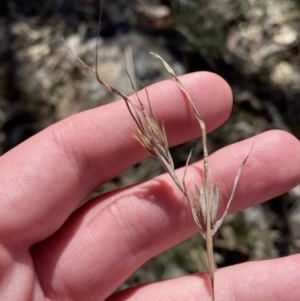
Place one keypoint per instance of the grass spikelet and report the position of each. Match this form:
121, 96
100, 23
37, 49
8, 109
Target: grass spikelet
150, 134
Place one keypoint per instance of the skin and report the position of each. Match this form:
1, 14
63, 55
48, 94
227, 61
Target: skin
51, 251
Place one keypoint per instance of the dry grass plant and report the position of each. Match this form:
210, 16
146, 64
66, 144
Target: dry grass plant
152, 136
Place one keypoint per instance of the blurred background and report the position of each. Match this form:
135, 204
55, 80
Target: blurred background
253, 44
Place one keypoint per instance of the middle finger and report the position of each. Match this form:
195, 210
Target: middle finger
109, 238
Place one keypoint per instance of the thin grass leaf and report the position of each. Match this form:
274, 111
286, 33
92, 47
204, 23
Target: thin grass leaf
235, 185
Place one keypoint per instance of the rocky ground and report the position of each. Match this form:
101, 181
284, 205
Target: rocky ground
253, 44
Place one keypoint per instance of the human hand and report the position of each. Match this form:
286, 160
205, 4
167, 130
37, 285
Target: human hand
51, 251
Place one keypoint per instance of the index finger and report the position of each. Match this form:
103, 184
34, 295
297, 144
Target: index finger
44, 179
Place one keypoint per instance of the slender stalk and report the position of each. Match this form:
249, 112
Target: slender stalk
210, 258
